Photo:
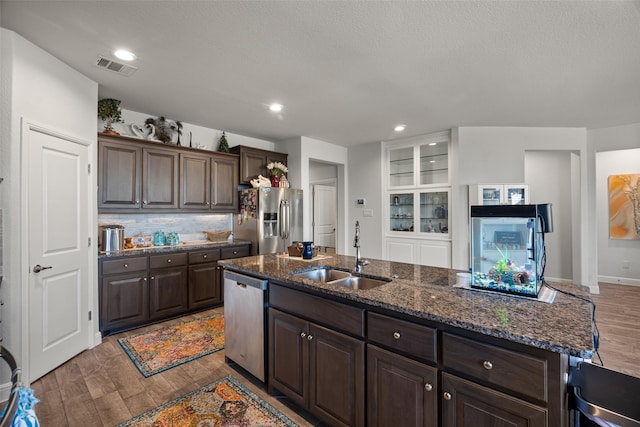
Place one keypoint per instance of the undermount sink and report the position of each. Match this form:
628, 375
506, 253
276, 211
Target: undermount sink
324, 275
342, 278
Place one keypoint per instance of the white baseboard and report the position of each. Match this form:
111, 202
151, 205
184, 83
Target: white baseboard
619, 280
97, 339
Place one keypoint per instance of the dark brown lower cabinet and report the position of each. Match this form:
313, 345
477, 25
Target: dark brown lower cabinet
204, 285
319, 369
467, 404
400, 391
124, 300
167, 292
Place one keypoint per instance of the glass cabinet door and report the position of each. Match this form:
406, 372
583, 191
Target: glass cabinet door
516, 194
434, 212
401, 167
401, 212
434, 163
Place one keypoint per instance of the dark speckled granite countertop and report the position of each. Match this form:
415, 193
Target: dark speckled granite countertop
563, 326
167, 249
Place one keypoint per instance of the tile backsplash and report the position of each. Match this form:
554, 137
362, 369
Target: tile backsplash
182, 223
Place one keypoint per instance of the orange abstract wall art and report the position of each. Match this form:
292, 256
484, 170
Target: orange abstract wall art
624, 206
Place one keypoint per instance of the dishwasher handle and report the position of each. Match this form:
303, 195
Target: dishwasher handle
247, 281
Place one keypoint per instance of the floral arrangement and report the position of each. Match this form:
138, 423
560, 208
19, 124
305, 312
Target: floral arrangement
277, 169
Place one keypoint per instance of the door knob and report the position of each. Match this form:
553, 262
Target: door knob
38, 268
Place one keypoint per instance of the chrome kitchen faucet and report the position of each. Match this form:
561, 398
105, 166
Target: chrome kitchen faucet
360, 263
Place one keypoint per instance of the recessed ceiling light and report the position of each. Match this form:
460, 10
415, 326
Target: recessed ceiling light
399, 128
432, 161
275, 107
125, 55
432, 143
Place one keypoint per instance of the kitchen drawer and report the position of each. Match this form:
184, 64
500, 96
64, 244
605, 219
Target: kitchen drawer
198, 257
235, 252
402, 336
338, 316
124, 265
508, 369
169, 260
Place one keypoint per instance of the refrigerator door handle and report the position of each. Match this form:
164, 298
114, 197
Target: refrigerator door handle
283, 219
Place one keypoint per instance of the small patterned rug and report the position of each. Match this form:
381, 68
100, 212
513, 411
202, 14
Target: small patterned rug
225, 402
162, 349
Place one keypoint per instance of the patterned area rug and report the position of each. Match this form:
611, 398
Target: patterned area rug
165, 348
225, 402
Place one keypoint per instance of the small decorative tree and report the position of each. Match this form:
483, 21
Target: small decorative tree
110, 113
224, 145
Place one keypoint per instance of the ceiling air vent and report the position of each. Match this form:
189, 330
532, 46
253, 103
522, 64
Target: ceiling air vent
115, 66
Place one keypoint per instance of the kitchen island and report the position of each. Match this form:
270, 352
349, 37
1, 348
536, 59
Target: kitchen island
460, 349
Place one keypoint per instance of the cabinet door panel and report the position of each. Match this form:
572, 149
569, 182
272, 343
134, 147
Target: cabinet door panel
253, 164
119, 173
204, 285
195, 181
168, 292
288, 353
472, 405
336, 387
224, 184
159, 179
401, 391
124, 301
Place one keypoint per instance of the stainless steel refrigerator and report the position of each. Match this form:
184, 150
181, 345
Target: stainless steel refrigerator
271, 218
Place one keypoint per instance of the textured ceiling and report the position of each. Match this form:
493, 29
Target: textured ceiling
348, 71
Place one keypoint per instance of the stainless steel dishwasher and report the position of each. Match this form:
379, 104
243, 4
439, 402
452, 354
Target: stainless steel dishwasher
244, 322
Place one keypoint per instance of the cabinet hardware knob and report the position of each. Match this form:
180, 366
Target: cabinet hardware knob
145, 279
396, 335
169, 260
309, 337
235, 252
126, 265
302, 334
446, 395
153, 277
487, 364
144, 202
428, 387
137, 202
204, 256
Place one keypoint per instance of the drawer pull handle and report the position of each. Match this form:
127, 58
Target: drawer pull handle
428, 387
153, 277
446, 395
303, 335
396, 335
204, 256
126, 265
169, 261
309, 337
487, 364
235, 252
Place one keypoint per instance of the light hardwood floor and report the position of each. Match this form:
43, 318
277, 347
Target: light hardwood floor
101, 387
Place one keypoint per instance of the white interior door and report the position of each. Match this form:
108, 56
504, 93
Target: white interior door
58, 213
324, 215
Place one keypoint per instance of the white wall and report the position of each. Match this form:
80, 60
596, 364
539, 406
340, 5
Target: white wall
605, 143
548, 174
38, 87
497, 154
303, 150
366, 182
613, 253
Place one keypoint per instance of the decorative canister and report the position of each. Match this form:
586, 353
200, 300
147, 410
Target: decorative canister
112, 237
307, 250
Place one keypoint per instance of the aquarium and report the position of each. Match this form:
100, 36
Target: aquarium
507, 247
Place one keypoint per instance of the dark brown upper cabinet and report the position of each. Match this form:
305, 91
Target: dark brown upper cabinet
254, 161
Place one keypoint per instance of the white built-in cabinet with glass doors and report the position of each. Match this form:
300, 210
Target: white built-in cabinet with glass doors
417, 195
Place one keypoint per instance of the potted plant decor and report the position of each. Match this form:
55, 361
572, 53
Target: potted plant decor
110, 113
